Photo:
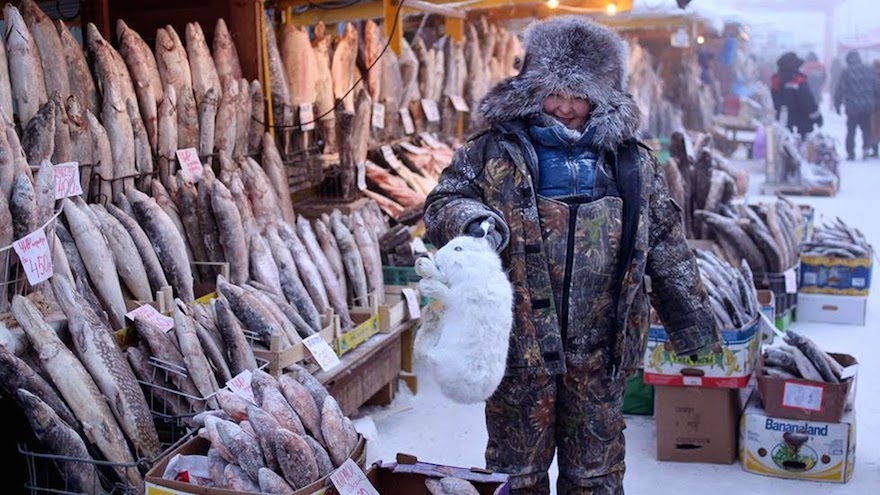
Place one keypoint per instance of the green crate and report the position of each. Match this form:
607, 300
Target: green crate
638, 398
783, 321
399, 275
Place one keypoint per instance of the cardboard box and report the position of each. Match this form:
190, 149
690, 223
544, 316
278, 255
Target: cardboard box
696, 424
806, 450
156, 485
840, 276
408, 477
767, 301
727, 367
825, 308
807, 399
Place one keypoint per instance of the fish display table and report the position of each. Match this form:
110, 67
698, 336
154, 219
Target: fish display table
371, 370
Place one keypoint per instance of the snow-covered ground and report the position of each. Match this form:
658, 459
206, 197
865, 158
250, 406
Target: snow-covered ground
437, 430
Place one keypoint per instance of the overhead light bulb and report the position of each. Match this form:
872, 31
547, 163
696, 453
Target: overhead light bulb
611, 9
552, 3
700, 40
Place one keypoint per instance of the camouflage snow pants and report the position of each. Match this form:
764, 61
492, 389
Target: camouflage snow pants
577, 415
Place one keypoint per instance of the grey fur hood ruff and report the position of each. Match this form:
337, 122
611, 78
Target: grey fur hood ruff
575, 57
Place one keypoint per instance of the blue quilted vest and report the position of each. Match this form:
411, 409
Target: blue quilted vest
566, 160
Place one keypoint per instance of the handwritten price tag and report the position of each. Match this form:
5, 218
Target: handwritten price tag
323, 354
409, 126
431, 141
189, 161
67, 181
240, 385
306, 117
35, 255
432, 113
790, 281
378, 116
801, 396
415, 150
459, 104
350, 480
412, 302
362, 176
389, 156
151, 315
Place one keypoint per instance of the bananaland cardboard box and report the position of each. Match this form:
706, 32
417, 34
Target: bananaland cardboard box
839, 276
728, 366
827, 308
696, 424
806, 450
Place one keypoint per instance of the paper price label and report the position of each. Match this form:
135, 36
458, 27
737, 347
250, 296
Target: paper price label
802, 396
362, 176
412, 302
240, 385
790, 281
415, 150
306, 117
321, 351
418, 246
459, 104
409, 126
67, 182
430, 140
350, 480
692, 381
149, 313
432, 112
378, 120
35, 255
189, 161
389, 156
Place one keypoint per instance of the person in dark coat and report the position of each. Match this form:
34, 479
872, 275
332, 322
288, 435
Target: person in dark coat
582, 219
790, 89
859, 91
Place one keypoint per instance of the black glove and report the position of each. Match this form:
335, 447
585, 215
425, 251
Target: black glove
475, 229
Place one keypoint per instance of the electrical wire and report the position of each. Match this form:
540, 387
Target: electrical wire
394, 26
332, 6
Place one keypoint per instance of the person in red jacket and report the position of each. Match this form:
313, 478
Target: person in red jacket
790, 89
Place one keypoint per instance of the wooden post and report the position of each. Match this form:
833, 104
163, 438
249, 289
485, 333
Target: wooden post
245, 27
389, 9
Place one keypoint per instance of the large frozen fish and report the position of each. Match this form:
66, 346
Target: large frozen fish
245, 210
129, 264
344, 68
277, 174
114, 114
225, 55
187, 120
285, 323
291, 285
17, 374
25, 68
163, 396
334, 430
145, 73
245, 448
167, 242
225, 130
258, 117
23, 207
38, 138
331, 252
172, 61
97, 349
143, 155
243, 116
301, 328
299, 63
232, 235
325, 101
163, 348
303, 403
215, 350
197, 364
391, 90
335, 294
150, 262
98, 260
250, 311
5, 83
370, 255
63, 151
167, 135
265, 426
202, 69
207, 219
241, 356
261, 193
295, 459
273, 483
281, 100
77, 267
409, 74
7, 164
373, 44
187, 206
58, 438
309, 274
102, 167
274, 403
49, 47
351, 259
207, 121
82, 86
44, 195
77, 387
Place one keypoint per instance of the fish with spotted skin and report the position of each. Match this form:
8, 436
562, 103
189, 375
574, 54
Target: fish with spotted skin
232, 234
25, 68
241, 355
273, 483
295, 459
450, 486
245, 448
197, 365
303, 404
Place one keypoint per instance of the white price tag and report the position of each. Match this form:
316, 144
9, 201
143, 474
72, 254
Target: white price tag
692, 381
389, 156
67, 181
459, 104
35, 255
321, 351
800, 396
790, 281
430, 140
306, 117
418, 246
362, 176
409, 126
849, 372
350, 480
378, 120
149, 313
412, 302
432, 113
240, 385
190, 162
415, 150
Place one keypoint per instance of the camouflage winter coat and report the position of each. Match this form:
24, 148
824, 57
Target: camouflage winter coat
495, 175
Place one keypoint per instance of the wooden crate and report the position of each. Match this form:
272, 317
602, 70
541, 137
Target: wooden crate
373, 371
367, 324
394, 311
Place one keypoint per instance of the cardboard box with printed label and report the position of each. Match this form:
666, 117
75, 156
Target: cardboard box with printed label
806, 450
696, 424
728, 366
407, 477
810, 400
840, 276
767, 302
826, 308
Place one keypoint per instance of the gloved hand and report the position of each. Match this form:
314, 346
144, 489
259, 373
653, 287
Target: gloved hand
475, 229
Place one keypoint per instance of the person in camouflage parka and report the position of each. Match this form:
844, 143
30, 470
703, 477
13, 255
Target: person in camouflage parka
577, 259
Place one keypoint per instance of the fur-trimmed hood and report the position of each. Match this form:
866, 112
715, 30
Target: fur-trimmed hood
570, 56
